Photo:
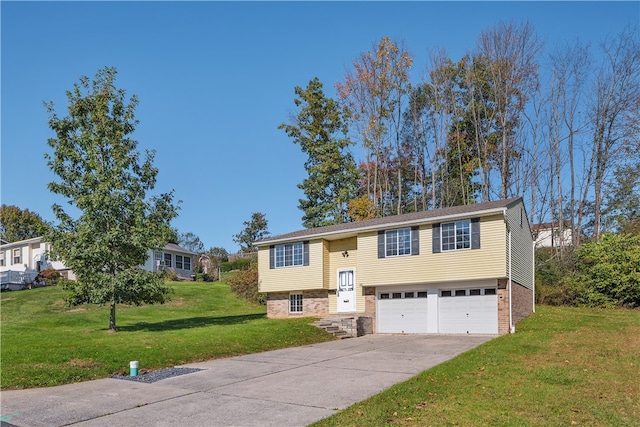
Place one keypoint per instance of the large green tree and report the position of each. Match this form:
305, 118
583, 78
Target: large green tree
17, 224
105, 180
321, 131
255, 229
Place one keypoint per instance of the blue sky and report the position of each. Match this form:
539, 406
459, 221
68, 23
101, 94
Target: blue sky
215, 79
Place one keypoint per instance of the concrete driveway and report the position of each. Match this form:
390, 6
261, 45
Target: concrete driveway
289, 387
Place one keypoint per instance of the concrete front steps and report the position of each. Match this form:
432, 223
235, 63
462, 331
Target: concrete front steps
346, 327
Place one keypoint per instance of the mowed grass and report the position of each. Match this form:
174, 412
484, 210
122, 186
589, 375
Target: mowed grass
45, 343
564, 367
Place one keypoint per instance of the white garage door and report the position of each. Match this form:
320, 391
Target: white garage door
468, 311
402, 312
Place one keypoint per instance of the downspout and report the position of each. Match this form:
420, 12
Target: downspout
533, 273
512, 327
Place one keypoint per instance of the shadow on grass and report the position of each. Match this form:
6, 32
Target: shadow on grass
191, 322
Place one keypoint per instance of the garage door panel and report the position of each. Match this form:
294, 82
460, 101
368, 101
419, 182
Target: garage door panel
469, 314
402, 314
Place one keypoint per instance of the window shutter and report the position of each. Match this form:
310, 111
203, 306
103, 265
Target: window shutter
381, 249
435, 231
475, 233
415, 241
272, 256
305, 252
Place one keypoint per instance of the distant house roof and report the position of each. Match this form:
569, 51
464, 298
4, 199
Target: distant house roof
22, 242
549, 225
175, 248
346, 229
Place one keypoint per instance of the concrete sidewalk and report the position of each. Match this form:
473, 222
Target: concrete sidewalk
289, 387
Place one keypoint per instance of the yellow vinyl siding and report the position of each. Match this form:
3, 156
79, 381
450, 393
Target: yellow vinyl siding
470, 264
297, 278
521, 246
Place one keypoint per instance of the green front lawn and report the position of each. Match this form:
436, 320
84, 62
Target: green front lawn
564, 367
45, 343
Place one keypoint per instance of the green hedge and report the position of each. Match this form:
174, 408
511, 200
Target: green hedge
238, 264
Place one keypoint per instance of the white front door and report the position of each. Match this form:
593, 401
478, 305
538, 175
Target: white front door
346, 292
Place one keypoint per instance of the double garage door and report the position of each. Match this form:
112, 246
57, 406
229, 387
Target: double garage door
459, 311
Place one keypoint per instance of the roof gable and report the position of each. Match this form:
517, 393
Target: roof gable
413, 218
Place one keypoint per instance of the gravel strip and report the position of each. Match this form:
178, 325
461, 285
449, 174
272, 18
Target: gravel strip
160, 374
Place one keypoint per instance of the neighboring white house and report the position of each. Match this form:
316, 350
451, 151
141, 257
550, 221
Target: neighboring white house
20, 262
172, 258
549, 235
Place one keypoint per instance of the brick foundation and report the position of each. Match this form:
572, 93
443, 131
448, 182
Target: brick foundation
314, 304
522, 304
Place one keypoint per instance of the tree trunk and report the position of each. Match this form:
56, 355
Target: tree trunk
112, 317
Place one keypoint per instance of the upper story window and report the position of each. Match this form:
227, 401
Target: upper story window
451, 236
2, 264
398, 242
17, 256
289, 255
402, 241
456, 235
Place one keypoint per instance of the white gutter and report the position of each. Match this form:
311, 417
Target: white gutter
357, 230
512, 327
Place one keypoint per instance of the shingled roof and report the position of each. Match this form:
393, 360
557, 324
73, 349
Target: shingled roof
394, 220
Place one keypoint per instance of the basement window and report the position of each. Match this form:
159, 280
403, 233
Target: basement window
295, 303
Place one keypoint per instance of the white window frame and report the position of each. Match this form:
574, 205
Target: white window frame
2, 259
296, 302
461, 236
16, 259
168, 259
397, 242
179, 261
289, 255
157, 258
186, 260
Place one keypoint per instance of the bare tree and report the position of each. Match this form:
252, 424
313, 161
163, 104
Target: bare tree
511, 52
615, 94
374, 94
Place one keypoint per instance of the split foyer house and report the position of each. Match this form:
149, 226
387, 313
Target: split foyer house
465, 269
20, 262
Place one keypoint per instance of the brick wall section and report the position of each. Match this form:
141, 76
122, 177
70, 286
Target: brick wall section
503, 307
314, 304
370, 305
521, 308
522, 302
